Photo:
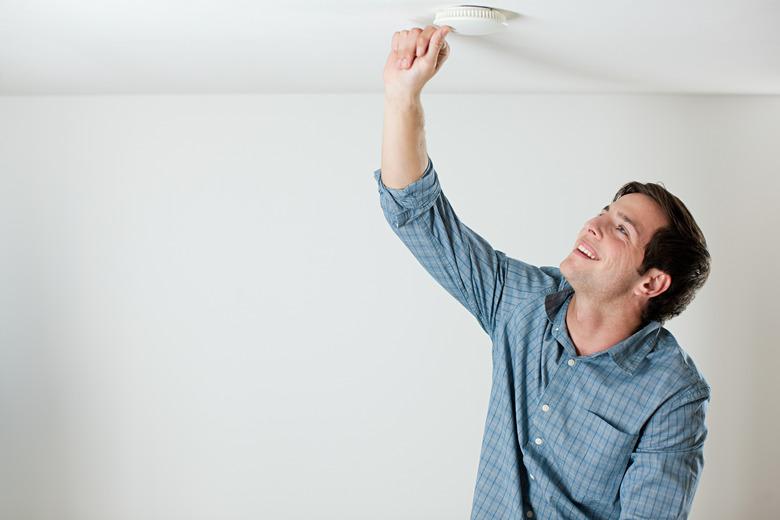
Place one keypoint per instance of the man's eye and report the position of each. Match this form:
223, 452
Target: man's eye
622, 230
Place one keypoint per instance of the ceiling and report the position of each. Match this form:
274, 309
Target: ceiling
298, 46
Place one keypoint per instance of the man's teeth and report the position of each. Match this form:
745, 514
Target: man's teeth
586, 251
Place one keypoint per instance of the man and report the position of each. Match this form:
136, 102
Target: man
595, 410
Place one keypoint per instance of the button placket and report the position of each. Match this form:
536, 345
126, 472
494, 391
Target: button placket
552, 393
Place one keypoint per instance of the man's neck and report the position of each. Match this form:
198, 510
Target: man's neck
595, 326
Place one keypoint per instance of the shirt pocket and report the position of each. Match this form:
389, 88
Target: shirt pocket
593, 456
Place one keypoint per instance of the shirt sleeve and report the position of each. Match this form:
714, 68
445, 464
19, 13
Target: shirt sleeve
665, 467
459, 259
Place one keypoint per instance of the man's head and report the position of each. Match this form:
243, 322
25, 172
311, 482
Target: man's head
649, 252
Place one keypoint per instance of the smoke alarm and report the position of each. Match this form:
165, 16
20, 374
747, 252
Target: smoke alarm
471, 20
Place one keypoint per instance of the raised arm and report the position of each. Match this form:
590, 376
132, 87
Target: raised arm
411, 197
404, 155
458, 258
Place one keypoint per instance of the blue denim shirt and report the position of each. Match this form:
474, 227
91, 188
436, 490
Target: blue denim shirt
616, 434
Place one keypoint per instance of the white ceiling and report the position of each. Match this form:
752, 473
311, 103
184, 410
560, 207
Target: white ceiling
299, 46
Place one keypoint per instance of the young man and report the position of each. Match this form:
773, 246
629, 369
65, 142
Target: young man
595, 411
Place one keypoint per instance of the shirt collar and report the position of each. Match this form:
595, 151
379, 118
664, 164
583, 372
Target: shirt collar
628, 353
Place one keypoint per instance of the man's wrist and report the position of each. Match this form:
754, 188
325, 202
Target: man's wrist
404, 100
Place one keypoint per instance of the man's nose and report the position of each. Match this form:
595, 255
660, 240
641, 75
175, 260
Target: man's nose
594, 228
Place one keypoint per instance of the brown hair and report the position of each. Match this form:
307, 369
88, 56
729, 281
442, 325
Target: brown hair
679, 250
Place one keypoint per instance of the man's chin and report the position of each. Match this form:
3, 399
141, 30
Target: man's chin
569, 270
566, 266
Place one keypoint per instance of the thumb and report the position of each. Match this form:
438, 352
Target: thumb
438, 49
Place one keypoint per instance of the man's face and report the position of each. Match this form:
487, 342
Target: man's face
616, 238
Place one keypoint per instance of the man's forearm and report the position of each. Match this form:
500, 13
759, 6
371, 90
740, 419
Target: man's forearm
404, 154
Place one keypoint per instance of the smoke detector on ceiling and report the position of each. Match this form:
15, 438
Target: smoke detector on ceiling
471, 20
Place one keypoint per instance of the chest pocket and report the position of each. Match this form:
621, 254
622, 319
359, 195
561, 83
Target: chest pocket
592, 457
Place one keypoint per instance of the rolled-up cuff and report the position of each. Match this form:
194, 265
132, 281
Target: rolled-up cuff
401, 203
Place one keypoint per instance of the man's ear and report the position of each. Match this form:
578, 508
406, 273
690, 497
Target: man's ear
653, 283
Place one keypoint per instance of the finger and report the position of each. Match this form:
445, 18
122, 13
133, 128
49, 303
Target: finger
408, 47
398, 48
424, 38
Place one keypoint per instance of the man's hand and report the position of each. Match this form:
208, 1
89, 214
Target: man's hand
416, 55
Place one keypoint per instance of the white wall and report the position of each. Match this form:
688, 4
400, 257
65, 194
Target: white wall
203, 313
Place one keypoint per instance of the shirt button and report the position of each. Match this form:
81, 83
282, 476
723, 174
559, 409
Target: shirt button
571, 362
532, 477
530, 514
538, 441
556, 329
545, 408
